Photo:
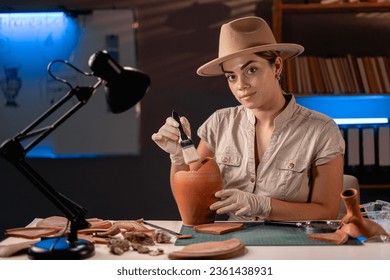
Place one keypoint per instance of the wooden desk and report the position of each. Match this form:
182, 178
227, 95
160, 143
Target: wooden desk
369, 251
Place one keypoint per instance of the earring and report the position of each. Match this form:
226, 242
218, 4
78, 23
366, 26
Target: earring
277, 76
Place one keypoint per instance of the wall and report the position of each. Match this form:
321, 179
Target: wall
175, 38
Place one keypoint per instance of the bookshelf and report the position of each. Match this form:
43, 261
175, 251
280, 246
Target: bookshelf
310, 75
346, 74
279, 9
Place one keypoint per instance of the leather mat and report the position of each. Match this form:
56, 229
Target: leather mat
259, 234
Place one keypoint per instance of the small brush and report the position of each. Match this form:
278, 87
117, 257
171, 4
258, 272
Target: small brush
189, 152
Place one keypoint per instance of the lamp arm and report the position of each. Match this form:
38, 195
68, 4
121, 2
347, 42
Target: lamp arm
15, 153
82, 93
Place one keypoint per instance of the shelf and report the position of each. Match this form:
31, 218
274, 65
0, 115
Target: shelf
336, 8
337, 75
279, 8
375, 186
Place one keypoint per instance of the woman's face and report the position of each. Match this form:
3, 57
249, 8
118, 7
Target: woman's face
252, 80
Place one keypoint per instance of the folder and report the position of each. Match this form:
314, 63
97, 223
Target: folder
368, 142
353, 156
384, 146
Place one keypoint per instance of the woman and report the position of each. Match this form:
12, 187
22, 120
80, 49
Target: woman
279, 160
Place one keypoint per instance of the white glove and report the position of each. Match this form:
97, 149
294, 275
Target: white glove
242, 203
168, 136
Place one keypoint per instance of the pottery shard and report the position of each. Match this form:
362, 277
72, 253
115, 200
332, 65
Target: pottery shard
210, 250
338, 237
131, 225
218, 228
53, 221
31, 232
62, 222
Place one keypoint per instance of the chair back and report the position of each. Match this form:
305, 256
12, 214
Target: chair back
350, 182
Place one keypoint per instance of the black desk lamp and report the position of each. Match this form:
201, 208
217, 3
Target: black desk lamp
117, 80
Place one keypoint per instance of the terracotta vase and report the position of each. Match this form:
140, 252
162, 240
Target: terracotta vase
353, 223
194, 192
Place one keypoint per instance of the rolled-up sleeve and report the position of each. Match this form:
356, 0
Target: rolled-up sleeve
330, 143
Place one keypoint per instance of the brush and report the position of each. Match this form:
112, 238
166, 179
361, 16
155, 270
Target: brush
189, 152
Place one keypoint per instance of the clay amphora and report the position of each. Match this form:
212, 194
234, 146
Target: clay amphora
353, 223
194, 192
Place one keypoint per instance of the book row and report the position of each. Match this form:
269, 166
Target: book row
337, 75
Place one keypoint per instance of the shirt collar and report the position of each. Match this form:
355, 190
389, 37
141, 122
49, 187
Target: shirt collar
288, 112
285, 115
250, 116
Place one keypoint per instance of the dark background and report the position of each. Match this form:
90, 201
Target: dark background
174, 37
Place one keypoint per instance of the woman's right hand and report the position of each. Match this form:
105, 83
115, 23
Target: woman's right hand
168, 136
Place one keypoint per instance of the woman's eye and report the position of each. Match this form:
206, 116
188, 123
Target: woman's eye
251, 70
230, 77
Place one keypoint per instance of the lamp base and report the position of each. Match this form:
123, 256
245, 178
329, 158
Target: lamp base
59, 248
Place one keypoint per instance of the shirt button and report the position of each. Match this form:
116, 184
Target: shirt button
290, 165
252, 179
225, 159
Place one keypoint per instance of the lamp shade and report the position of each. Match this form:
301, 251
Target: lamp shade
124, 86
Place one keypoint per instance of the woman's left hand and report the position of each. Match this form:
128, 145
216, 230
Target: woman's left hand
241, 203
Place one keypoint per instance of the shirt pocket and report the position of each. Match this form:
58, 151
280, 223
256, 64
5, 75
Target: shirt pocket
229, 163
292, 178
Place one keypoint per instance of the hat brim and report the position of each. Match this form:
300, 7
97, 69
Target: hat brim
213, 67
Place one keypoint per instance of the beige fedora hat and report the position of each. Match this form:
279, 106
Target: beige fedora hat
243, 36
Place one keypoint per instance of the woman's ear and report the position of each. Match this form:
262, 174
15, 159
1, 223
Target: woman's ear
278, 67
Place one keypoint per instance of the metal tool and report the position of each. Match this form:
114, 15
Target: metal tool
315, 226
177, 234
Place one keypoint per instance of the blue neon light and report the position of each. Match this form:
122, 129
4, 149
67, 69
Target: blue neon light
361, 121
29, 40
363, 108
26, 27
48, 152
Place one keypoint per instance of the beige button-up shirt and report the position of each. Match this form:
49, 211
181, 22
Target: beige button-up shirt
301, 138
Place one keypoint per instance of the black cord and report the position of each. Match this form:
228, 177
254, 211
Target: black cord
66, 63
59, 237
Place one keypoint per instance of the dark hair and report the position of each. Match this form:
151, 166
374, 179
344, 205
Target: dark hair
270, 56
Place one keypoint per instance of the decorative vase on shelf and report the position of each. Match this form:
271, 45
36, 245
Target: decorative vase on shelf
194, 192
